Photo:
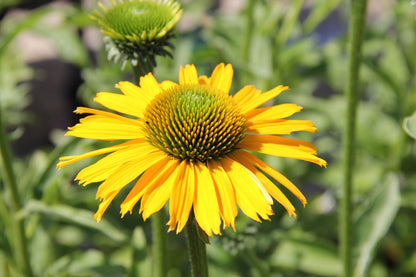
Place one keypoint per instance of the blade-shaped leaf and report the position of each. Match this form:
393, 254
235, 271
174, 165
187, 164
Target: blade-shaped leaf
307, 255
319, 13
409, 125
375, 221
74, 216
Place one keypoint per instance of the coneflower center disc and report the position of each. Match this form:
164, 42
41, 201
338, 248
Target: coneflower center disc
134, 17
194, 122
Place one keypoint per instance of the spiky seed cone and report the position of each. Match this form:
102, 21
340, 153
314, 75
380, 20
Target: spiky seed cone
138, 30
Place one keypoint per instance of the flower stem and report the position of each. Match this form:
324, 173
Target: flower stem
159, 244
289, 22
140, 70
249, 31
159, 249
197, 251
22, 253
357, 27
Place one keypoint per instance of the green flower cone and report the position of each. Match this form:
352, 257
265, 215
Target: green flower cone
138, 30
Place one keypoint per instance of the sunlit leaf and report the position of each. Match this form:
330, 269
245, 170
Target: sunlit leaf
140, 266
409, 125
74, 216
319, 12
375, 221
307, 255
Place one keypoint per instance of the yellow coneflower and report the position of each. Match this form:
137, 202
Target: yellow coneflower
189, 144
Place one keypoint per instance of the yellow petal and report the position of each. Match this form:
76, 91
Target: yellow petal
275, 175
246, 159
106, 166
150, 86
131, 90
188, 75
262, 98
127, 172
206, 208
250, 198
165, 85
280, 127
275, 112
103, 206
148, 179
66, 160
121, 103
245, 95
222, 77
154, 199
106, 128
204, 80
84, 110
225, 193
175, 201
175, 198
183, 194
281, 147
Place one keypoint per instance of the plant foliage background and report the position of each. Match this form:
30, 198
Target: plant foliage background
52, 59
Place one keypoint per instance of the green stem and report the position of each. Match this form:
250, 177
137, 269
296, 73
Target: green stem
159, 249
249, 31
22, 253
357, 27
140, 70
283, 34
289, 23
197, 251
159, 244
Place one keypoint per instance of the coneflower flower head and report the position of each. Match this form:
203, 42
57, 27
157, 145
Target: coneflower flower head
190, 144
138, 30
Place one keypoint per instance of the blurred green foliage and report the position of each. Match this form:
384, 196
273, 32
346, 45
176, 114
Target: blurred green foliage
269, 43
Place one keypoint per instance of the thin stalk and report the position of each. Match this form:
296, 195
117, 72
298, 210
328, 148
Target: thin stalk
283, 35
289, 23
196, 249
159, 244
356, 33
249, 31
140, 70
22, 253
159, 249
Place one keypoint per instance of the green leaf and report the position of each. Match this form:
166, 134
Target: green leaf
74, 216
14, 88
87, 260
307, 254
41, 239
319, 12
59, 267
409, 125
375, 221
383, 75
140, 265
